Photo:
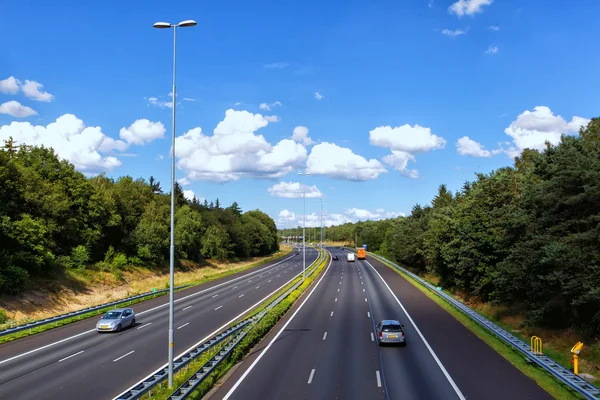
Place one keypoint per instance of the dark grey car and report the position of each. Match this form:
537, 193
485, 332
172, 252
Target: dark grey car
389, 331
116, 320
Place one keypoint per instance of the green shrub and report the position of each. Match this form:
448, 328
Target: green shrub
3, 316
119, 261
80, 256
13, 279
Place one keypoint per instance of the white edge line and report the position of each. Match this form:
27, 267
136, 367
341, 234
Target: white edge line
144, 312
72, 355
312, 373
239, 381
435, 357
219, 329
123, 356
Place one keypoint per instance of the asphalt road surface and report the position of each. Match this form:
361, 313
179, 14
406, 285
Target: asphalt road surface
74, 361
325, 347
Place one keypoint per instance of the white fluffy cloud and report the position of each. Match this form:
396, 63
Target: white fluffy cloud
159, 103
142, 131
16, 109
10, 85
301, 136
492, 50
341, 163
234, 151
405, 141
468, 7
466, 146
71, 140
267, 106
494, 28
399, 161
33, 89
454, 33
272, 118
294, 190
319, 96
289, 219
532, 129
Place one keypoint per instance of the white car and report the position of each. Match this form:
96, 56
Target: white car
350, 257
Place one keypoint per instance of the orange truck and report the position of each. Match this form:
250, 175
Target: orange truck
362, 254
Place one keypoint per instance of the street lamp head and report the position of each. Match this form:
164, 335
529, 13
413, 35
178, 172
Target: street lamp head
186, 23
162, 25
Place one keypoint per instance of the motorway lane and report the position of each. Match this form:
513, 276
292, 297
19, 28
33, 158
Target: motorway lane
410, 372
326, 351
477, 369
92, 371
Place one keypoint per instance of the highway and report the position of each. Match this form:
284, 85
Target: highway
74, 361
325, 347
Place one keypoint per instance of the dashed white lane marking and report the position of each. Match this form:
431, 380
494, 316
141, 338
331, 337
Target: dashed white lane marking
378, 379
123, 356
310, 378
143, 326
325, 336
73, 355
241, 295
186, 324
372, 337
187, 308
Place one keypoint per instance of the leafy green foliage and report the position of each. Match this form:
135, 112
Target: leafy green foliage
527, 236
53, 217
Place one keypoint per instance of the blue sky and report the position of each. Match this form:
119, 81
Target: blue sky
440, 70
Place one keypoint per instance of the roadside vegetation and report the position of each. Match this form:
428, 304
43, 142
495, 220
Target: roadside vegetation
521, 245
60, 229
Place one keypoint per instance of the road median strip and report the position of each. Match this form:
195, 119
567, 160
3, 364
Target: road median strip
201, 373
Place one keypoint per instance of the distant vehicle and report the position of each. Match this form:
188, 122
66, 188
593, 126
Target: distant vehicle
115, 320
350, 257
362, 254
389, 331
335, 258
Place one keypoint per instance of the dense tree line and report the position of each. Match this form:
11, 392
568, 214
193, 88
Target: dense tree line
526, 235
53, 217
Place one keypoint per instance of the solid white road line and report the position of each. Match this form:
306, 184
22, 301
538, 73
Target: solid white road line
378, 379
215, 296
325, 336
143, 326
372, 337
72, 355
186, 324
312, 373
218, 307
283, 328
123, 356
435, 357
187, 308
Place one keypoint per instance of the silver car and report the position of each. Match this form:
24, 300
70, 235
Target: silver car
115, 320
389, 331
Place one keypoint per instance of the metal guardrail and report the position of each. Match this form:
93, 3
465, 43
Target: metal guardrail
61, 317
145, 386
564, 375
188, 387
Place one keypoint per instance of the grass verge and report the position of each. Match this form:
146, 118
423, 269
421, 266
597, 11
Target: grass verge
42, 328
254, 336
546, 381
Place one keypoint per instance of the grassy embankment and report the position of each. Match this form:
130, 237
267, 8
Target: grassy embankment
79, 289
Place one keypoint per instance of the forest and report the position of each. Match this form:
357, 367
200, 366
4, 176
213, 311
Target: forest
527, 236
53, 218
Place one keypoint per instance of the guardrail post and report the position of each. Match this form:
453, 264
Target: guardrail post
536, 345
